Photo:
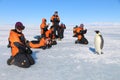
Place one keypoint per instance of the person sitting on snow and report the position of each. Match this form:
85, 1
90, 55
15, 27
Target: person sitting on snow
21, 53
44, 27
80, 31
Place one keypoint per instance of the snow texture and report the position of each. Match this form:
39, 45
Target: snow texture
66, 60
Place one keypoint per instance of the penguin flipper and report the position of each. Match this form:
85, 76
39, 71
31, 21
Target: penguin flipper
102, 42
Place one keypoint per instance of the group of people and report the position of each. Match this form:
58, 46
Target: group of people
57, 30
21, 47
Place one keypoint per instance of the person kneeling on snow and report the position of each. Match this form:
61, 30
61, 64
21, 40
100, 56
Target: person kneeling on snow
21, 53
80, 31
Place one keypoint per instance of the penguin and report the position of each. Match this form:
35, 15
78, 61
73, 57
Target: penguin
99, 42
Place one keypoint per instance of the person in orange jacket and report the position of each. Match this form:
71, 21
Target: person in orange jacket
80, 31
55, 19
74, 31
44, 26
42, 42
51, 36
21, 53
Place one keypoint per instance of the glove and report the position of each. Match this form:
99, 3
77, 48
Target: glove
27, 43
45, 29
55, 20
8, 46
29, 51
85, 30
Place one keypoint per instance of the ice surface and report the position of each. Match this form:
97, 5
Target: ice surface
66, 60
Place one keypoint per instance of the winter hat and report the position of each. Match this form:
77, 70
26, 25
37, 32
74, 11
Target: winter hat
56, 13
19, 26
81, 25
44, 20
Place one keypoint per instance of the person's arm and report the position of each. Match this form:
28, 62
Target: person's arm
83, 31
51, 19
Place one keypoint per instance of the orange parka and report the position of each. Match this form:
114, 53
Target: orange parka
43, 26
54, 18
16, 37
49, 34
41, 43
77, 31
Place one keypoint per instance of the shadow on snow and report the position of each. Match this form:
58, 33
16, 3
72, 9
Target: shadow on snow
92, 50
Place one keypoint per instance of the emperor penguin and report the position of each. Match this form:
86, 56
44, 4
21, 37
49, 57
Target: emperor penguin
99, 42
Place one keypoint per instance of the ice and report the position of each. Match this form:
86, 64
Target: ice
66, 60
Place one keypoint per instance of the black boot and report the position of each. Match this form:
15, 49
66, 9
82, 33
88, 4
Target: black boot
43, 47
77, 41
49, 46
10, 60
29, 51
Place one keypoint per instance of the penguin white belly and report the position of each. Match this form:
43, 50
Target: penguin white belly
98, 44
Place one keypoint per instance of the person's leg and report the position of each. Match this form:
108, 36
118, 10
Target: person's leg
10, 60
83, 40
62, 33
21, 60
30, 58
59, 33
54, 26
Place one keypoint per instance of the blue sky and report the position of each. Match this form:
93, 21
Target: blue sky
71, 12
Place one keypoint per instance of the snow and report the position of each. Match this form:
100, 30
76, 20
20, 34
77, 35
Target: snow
66, 60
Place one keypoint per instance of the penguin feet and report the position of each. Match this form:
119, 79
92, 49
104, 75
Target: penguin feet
99, 53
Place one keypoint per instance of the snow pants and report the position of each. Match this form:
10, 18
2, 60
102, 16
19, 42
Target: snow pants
61, 33
56, 30
21, 60
83, 40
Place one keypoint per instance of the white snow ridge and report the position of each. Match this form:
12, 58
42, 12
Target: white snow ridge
66, 60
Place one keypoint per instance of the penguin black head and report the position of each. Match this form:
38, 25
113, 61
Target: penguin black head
97, 31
